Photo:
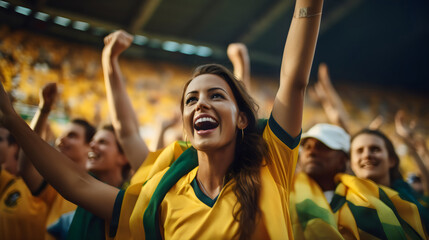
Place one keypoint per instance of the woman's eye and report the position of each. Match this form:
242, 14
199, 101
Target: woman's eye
190, 100
217, 95
375, 149
359, 150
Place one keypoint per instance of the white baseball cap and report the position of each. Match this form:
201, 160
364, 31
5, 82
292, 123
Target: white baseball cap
334, 137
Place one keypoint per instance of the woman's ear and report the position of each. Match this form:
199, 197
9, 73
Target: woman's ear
242, 120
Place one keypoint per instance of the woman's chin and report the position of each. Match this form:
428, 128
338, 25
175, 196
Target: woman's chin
203, 145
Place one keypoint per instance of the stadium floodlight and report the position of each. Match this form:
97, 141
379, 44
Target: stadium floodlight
188, 49
4, 4
171, 46
79, 25
23, 10
62, 21
41, 16
204, 51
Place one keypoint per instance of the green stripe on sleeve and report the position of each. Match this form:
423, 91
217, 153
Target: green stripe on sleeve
283, 135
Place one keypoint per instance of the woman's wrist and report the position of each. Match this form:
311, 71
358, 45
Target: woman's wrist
307, 12
308, 8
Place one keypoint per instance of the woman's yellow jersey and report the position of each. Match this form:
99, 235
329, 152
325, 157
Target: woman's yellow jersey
185, 213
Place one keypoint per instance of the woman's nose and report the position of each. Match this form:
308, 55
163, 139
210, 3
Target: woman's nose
202, 103
366, 153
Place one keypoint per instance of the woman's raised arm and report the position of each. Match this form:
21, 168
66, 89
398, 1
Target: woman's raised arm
296, 65
121, 111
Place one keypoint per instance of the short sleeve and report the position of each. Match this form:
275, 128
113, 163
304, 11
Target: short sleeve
282, 152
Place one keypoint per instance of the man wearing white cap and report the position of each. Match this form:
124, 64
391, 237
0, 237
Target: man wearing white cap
323, 154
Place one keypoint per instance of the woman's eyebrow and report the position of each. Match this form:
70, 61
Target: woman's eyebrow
210, 90
190, 93
217, 88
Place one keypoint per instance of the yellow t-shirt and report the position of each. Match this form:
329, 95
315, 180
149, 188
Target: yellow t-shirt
184, 214
22, 216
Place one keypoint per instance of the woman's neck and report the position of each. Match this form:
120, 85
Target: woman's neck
213, 166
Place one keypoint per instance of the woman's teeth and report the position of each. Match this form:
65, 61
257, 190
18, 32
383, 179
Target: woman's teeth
92, 155
205, 123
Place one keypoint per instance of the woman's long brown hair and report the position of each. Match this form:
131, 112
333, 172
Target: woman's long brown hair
249, 153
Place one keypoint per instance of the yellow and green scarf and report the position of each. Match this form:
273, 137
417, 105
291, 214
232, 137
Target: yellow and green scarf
374, 211
360, 209
311, 215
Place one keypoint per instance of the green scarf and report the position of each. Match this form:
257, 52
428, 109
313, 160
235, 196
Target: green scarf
183, 165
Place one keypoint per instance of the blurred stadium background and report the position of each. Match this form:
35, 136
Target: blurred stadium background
377, 53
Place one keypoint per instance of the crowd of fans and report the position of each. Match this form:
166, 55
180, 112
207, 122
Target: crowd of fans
26, 65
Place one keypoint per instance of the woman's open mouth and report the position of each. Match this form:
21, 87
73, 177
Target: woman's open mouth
92, 155
369, 164
205, 124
